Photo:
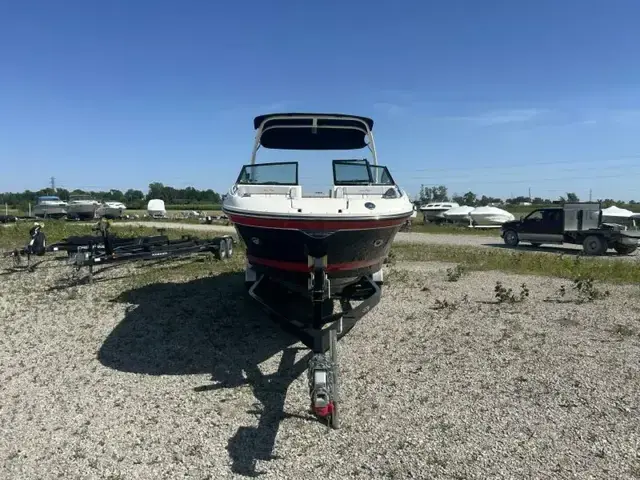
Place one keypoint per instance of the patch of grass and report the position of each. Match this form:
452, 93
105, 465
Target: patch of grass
454, 274
186, 269
562, 266
17, 235
450, 229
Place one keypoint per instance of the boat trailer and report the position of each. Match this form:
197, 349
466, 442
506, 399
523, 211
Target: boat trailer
103, 249
320, 331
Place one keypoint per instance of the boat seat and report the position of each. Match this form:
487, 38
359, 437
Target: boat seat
364, 190
266, 189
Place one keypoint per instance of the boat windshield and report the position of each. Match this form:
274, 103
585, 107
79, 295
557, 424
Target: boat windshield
280, 173
360, 172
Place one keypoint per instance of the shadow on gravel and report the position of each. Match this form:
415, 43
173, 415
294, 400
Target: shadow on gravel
210, 325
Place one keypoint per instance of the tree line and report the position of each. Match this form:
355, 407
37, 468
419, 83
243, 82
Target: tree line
440, 194
135, 199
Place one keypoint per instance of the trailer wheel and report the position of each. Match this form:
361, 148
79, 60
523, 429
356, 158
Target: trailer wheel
333, 352
221, 252
39, 244
511, 238
625, 249
229, 242
594, 245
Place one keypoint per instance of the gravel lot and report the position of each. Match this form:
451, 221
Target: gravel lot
190, 380
426, 238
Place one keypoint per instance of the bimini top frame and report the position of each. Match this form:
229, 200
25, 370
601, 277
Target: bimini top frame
313, 131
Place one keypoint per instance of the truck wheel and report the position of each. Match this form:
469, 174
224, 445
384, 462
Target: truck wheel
594, 245
511, 238
625, 249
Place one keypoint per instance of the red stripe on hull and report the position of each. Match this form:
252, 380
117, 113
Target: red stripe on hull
314, 225
303, 267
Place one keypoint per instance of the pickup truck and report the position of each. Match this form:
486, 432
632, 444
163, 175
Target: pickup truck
577, 223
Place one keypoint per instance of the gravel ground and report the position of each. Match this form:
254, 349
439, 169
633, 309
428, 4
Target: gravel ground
191, 380
426, 238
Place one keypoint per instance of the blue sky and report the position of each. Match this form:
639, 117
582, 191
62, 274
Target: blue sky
481, 96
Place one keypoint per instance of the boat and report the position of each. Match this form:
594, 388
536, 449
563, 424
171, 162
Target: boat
434, 211
49, 206
320, 250
490, 217
459, 214
415, 212
353, 226
617, 215
82, 207
111, 210
156, 208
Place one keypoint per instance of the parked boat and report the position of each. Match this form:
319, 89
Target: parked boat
156, 208
434, 211
459, 214
490, 216
354, 226
617, 215
82, 207
316, 254
111, 210
49, 206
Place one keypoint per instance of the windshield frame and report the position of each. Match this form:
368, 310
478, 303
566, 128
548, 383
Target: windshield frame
239, 180
368, 165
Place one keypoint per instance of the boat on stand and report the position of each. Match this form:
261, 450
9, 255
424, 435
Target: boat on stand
50, 206
327, 252
82, 207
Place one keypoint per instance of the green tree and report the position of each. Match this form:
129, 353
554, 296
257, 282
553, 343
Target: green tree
469, 199
572, 197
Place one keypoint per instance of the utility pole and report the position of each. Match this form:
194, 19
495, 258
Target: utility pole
589, 194
529, 194
53, 183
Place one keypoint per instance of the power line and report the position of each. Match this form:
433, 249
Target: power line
485, 166
528, 180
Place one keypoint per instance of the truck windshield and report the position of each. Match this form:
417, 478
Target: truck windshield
535, 215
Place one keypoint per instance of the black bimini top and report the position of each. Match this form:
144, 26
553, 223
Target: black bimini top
350, 134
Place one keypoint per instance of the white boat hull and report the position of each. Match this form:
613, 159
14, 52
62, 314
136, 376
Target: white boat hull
82, 210
490, 219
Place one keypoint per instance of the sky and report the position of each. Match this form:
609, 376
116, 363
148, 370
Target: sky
496, 97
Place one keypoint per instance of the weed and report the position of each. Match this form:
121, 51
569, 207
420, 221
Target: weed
391, 258
444, 305
623, 330
454, 274
587, 291
506, 295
